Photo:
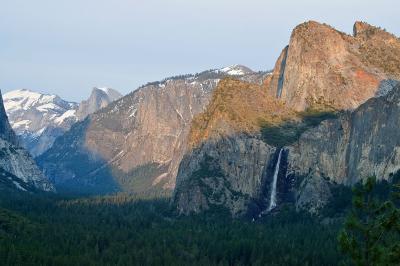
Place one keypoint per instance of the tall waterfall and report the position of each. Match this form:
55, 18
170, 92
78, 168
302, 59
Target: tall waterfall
272, 202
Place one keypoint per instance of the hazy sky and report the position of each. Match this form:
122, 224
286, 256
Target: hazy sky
67, 47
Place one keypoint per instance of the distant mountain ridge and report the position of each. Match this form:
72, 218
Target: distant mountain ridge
38, 119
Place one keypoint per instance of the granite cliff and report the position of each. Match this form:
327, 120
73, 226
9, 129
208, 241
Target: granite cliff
331, 107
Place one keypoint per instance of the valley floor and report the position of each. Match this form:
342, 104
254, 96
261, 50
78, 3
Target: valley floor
120, 230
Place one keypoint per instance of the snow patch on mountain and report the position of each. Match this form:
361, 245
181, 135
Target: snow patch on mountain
107, 90
26, 99
235, 70
19, 186
70, 114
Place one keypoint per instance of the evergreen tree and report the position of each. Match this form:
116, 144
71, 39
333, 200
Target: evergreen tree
368, 234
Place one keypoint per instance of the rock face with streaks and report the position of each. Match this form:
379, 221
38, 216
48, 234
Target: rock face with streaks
358, 144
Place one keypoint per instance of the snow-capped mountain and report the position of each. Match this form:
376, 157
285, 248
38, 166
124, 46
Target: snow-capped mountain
17, 168
38, 119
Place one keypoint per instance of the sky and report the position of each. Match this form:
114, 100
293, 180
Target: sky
68, 47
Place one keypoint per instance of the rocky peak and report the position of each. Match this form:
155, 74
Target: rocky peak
361, 27
99, 98
109, 92
312, 28
365, 30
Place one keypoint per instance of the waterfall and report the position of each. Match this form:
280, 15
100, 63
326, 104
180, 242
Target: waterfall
272, 202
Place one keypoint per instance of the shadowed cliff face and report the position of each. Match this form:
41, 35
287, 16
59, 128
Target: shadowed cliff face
6, 132
357, 145
324, 68
228, 171
235, 172
72, 160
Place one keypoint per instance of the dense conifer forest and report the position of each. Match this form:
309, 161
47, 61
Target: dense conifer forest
35, 230
43, 229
